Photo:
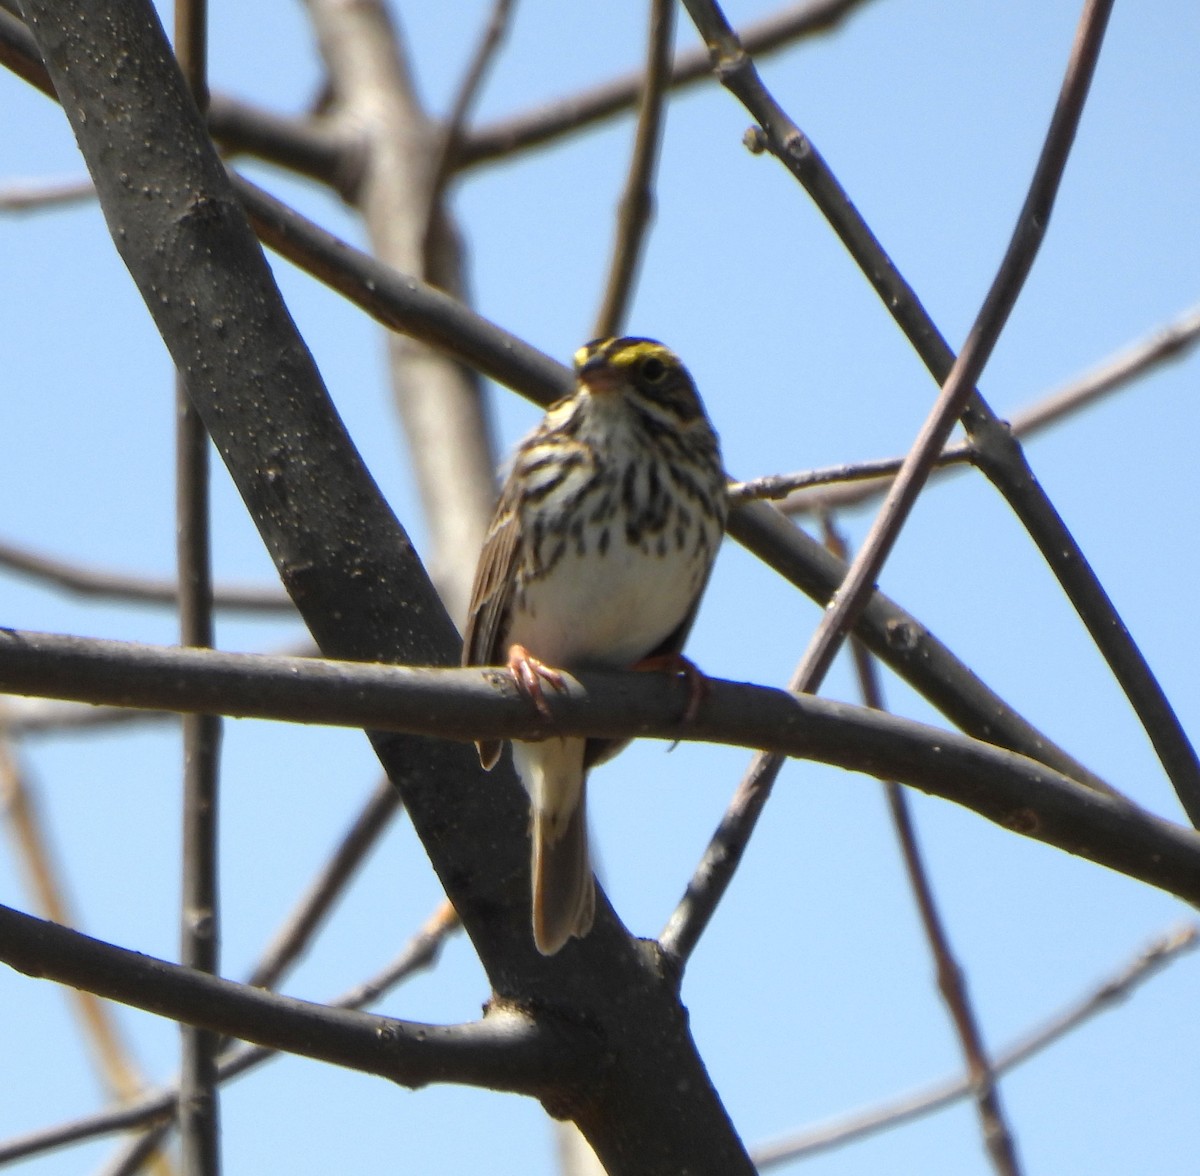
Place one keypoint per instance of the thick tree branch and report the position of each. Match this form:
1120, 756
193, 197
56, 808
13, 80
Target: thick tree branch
1017, 793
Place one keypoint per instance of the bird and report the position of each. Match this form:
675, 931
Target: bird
600, 548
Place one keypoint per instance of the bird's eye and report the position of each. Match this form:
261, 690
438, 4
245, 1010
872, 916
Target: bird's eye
653, 370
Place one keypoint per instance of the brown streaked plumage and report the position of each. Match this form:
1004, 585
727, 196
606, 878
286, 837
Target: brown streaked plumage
597, 556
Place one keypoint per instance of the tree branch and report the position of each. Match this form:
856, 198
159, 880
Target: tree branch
1021, 795
421, 952
508, 1050
100, 582
636, 208
808, 491
951, 978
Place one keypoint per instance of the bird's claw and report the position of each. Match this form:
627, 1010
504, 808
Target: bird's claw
529, 673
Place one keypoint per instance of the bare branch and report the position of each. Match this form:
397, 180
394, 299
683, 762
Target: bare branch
507, 1050
440, 400
153, 1109
318, 148
468, 91
36, 195
1163, 951
959, 385
104, 584
1017, 793
636, 208
806, 492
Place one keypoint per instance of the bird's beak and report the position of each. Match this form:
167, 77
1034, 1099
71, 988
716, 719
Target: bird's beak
599, 376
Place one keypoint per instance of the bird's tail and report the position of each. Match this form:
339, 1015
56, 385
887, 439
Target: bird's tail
564, 893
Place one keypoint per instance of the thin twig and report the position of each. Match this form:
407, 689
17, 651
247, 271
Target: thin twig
36, 195
548, 123
1019, 794
1148, 963
198, 1112
99, 582
951, 978
636, 208
716, 868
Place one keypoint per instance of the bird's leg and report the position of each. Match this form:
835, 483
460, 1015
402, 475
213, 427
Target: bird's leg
675, 664
529, 672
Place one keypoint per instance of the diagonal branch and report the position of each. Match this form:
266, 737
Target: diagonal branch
421, 952
808, 491
981, 339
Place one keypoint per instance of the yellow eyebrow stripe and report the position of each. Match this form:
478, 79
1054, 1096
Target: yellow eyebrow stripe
626, 353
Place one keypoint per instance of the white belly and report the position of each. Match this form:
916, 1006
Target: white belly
607, 611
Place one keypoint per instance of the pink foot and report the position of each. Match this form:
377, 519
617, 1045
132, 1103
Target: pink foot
529, 673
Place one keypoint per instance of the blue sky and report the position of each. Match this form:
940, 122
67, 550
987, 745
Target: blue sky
812, 993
